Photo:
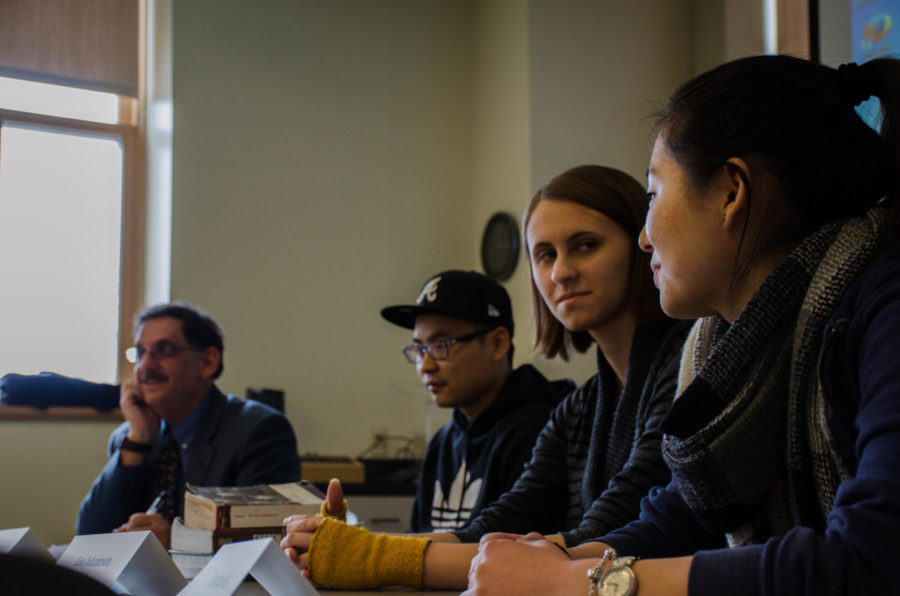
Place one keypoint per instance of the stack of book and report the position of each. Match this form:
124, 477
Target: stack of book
217, 515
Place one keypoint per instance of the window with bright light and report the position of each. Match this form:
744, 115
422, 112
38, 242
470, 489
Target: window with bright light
56, 100
62, 175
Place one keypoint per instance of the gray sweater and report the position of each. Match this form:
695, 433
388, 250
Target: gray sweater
598, 455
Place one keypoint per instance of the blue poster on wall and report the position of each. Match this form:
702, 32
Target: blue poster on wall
875, 33
875, 29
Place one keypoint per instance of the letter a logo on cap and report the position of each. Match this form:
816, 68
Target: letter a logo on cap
429, 292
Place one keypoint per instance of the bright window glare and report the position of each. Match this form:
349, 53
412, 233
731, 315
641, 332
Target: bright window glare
55, 100
60, 221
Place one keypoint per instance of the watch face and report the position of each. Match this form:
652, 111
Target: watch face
618, 581
500, 246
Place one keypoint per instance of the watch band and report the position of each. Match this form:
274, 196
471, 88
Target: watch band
620, 566
129, 445
596, 572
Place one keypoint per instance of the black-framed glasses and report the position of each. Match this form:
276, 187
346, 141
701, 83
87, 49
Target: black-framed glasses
438, 350
161, 350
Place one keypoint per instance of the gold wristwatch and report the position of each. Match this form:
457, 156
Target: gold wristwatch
617, 580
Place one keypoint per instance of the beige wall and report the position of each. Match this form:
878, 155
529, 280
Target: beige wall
329, 156
322, 170
501, 151
47, 469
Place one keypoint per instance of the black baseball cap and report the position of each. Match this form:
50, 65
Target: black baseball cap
466, 295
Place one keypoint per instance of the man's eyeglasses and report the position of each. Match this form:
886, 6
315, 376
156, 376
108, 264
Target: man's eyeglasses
437, 350
162, 350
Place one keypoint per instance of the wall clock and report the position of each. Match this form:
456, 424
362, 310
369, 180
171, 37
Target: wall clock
500, 246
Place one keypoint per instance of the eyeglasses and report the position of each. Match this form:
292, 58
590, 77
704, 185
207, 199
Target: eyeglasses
438, 350
162, 350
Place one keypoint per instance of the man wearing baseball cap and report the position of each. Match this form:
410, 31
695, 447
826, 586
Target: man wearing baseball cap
462, 348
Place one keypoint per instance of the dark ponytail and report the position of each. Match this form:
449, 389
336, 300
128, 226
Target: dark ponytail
794, 123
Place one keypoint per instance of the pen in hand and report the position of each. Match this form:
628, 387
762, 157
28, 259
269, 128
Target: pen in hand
154, 506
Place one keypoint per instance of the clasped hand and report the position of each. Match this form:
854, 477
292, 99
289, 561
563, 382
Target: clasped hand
299, 529
514, 564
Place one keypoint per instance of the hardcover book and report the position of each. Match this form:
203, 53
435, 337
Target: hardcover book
265, 505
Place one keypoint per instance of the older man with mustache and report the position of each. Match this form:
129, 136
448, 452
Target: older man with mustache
180, 428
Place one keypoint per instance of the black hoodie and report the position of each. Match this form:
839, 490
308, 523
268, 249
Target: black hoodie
469, 463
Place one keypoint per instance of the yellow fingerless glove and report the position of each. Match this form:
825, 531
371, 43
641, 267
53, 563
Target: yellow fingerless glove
351, 558
341, 516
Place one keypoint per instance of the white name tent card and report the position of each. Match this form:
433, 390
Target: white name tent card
22, 541
133, 561
261, 558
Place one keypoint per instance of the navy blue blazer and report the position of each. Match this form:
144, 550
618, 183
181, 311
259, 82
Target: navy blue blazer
238, 443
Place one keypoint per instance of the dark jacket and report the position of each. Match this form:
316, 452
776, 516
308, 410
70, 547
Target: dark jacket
857, 553
472, 462
238, 442
599, 453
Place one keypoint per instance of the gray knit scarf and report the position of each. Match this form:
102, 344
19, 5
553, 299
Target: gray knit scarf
747, 439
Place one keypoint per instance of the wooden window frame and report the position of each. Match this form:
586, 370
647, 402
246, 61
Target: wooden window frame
131, 132
795, 33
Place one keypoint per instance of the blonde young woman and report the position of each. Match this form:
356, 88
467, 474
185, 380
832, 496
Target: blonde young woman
600, 452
